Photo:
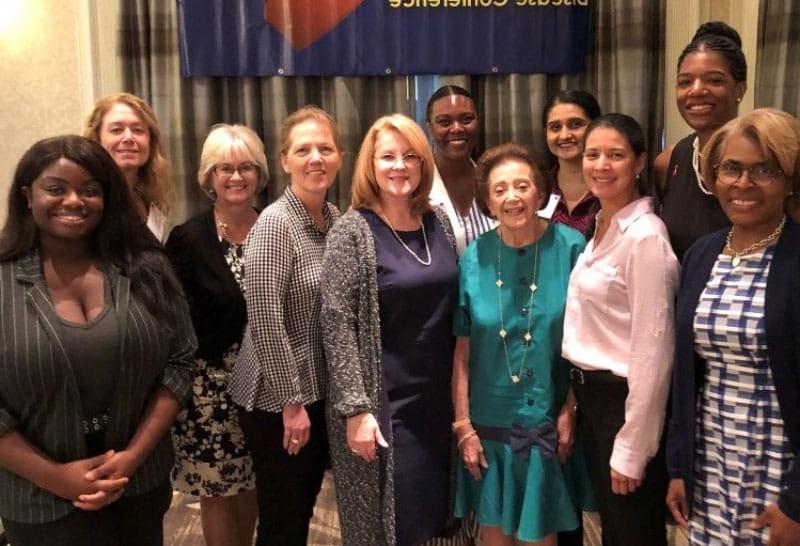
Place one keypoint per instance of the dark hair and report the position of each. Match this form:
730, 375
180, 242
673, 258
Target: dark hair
492, 157
445, 91
582, 99
723, 39
628, 128
120, 238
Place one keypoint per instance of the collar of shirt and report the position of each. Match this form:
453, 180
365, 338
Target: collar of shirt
631, 212
300, 211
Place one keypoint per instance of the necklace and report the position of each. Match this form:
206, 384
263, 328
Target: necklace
223, 227
424, 238
696, 164
737, 255
503, 333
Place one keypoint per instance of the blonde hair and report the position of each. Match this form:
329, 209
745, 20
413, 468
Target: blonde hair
222, 141
154, 184
777, 135
365, 192
306, 113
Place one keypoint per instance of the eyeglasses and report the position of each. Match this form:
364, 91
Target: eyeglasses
227, 170
410, 160
730, 172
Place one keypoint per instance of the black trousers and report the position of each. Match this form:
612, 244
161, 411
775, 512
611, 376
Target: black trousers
131, 521
286, 485
636, 519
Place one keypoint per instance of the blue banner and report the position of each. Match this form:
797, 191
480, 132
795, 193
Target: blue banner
381, 37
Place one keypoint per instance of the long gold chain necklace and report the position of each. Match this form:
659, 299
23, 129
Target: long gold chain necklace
503, 333
737, 255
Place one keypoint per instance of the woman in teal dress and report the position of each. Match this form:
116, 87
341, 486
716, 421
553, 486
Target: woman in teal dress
514, 412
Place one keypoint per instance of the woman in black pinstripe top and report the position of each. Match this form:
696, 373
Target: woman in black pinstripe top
96, 355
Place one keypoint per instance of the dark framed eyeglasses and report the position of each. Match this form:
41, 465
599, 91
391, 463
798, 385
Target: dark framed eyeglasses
730, 172
227, 170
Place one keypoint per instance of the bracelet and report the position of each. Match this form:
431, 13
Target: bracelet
460, 423
466, 437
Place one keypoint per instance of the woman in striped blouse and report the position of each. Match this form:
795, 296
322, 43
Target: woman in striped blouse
97, 348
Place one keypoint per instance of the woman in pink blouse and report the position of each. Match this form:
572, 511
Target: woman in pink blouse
619, 337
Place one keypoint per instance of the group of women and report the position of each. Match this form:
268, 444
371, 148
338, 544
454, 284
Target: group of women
490, 340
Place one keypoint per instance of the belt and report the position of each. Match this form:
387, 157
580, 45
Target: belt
584, 377
95, 423
522, 439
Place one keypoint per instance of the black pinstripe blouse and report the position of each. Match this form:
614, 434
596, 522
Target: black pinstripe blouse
39, 396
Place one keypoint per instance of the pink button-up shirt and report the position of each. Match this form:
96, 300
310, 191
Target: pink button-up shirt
619, 318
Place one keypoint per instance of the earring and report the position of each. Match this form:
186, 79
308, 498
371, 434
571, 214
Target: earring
738, 99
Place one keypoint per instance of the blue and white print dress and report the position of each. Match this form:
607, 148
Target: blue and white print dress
742, 453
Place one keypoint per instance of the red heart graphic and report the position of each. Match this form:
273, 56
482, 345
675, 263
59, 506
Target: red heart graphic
303, 22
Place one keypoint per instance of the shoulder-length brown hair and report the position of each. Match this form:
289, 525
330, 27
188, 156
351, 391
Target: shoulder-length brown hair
154, 184
365, 193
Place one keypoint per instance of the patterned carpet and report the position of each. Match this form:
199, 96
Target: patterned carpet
182, 523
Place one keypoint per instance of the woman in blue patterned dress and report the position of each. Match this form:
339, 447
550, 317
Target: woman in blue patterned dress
734, 435
207, 253
514, 412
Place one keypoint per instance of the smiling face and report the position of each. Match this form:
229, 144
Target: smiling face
757, 207
238, 186
454, 126
312, 159
565, 127
65, 201
706, 93
126, 137
513, 197
610, 167
398, 168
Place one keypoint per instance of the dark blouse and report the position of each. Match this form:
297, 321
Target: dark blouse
688, 212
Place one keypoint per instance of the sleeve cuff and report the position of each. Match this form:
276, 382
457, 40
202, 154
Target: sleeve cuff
179, 379
628, 462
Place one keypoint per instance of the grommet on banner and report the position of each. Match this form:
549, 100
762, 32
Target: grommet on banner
494, 70
280, 71
388, 70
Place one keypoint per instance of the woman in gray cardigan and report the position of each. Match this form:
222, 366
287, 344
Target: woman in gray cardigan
388, 290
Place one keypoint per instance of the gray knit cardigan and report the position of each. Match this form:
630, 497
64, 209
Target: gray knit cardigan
352, 337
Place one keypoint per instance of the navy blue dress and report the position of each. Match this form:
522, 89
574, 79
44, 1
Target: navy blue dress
416, 308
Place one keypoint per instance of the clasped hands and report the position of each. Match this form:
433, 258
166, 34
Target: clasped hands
94, 482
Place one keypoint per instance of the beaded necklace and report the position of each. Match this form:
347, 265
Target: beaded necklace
515, 378
696, 165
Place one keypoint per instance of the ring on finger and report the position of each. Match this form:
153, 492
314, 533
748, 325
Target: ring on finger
295, 441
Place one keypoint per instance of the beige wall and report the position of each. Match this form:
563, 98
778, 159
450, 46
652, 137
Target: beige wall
56, 58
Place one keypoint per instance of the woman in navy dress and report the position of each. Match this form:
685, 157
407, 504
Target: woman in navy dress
389, 287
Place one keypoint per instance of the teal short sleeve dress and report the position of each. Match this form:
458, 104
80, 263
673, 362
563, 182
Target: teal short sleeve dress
528, 494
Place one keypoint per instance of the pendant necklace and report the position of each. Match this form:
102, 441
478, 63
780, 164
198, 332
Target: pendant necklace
696, 165
737, 255
424, 238
503, 333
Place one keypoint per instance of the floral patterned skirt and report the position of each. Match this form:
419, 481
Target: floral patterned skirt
211, 459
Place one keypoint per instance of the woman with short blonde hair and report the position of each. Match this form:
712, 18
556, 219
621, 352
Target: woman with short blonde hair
207, 252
